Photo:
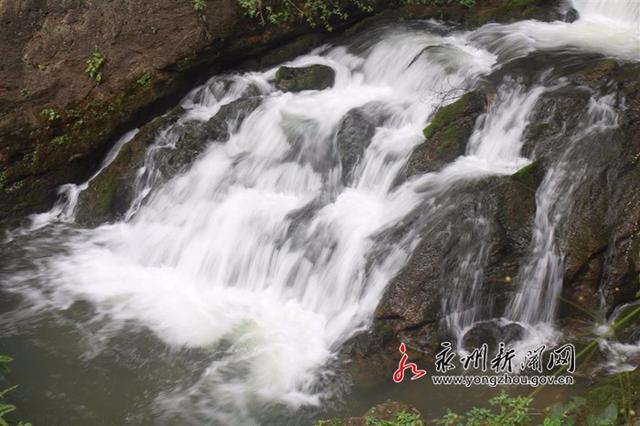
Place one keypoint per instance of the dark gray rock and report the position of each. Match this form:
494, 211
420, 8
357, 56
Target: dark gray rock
492, 333
313, 77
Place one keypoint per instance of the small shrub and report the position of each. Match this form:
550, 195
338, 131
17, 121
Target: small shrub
78, 124
199, 6
315, 12
94, 64
50, 114
145, 80
59, 140
403, 418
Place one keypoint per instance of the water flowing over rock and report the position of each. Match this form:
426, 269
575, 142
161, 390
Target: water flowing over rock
111, 194
354, 135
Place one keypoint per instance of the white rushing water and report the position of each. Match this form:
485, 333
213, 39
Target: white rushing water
260, 254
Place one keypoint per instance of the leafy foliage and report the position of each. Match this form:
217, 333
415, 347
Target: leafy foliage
199, 6
315, 12
506, 411
145, 80
403, 418
94, 64
59, 140
6, 408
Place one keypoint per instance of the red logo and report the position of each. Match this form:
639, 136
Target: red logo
398, 375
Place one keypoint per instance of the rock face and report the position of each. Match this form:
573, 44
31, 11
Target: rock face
447, 135
412, 305
313, 77
110, 194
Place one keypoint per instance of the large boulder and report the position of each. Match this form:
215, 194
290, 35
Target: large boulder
412, 305
313, 77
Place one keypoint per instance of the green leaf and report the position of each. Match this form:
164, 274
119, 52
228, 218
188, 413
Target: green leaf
6, 391
6, 408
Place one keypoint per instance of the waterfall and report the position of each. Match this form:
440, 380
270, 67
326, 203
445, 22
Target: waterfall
263, 260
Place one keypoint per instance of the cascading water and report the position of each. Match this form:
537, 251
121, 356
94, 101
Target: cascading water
541, 279
259, 259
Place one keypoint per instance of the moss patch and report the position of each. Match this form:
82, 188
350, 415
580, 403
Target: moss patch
530, 175
447, 134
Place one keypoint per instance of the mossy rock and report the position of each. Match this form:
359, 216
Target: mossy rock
313, 77
530, 175
447, 135
110, 194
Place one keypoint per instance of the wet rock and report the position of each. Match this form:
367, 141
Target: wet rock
313, 77
193, 137
557, 113
110, 194
446, 136
412, 303
601, 238
571, 15
492, 333
354, 135
531, 175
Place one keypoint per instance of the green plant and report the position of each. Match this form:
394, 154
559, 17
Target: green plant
94, 64
145, 80
315, 12
50, 114
199, 6
78, 124
505, 411
24, 93
59, 140
403, 418
6, 408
